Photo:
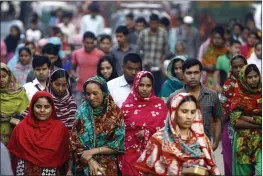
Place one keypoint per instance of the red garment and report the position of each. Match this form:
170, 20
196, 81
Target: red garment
43, 143
140, 113
246, 51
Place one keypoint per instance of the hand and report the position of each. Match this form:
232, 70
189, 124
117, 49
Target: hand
95, 167
86, 156
218, 88
69, 173
214, 146
140, 134
247, 118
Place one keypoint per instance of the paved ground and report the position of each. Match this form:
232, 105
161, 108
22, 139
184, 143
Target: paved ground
219, 158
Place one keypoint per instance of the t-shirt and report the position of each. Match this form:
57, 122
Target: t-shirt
86, 64
223, 63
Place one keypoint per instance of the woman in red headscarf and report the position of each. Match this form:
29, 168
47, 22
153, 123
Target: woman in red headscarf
39, 144
144, 114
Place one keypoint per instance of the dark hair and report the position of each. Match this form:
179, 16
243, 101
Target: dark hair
239, 25
141, 20
253, 33
33, 21
40, 60
174, 61
67, 15
122, 29
17, 28
24, 49
105, 36
154, 17
50, 101
218, 30
50, 49
259, 43
110, 60
94, 82
130, 15
169, 56
190, 63
165, 21
235, 42
61, 73
56, 30
189, 99
238, 56
133, 57
250, 68
89, 35
148, 75
30, 43
94, 7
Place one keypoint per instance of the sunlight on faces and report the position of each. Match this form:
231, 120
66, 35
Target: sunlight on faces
42, 109
106, 69
185, 114
4, 79
253, 79
59, 86
236, 66
178, 69
145, 87
94, 95
24, 58
41, 72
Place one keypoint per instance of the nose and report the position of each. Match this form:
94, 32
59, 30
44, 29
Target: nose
60, 88
42, 109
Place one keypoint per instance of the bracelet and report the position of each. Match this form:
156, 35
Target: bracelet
99, 149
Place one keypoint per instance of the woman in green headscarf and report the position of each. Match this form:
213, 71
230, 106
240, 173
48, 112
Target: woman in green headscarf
175, 77
98, 132
13, 101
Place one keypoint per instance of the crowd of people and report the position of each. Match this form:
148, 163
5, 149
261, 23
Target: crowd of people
157, 102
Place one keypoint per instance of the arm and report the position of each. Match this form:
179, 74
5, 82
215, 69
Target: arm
217, 112
217, 134
217, 80
252, 119
239, 123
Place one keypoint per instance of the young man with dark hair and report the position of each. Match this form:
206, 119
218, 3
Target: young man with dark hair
223, 66
237, 31
105, 43
123, 48
86, 60
67, 27
41, 67
153, 42
248, 48
208, 100
120, 87
33, 34
140, 25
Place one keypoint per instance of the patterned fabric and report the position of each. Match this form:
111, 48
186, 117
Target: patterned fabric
166, 153
13, 101
154, 46
172, 83
96, 129
140, 113
210, 58
66, 106
21, 71
27, 168
247, 102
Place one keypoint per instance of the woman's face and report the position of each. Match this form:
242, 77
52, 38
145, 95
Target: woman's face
4, 78
14, 31
236, 66
186, 114
25, 57
258, 51
32, 48
145, 87
178, 70
42, 109
59, 86
253, 79
94, 95
179, 49
106, 69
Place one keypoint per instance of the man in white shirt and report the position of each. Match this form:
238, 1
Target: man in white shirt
41, 66
93, 21
121, 87
68, 28
33, 34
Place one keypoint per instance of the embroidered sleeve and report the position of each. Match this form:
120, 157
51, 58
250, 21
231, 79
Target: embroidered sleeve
234, 116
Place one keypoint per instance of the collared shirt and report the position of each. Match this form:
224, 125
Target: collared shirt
154, 47
119, 90
92, 24
118, 56
32, 88
209, 103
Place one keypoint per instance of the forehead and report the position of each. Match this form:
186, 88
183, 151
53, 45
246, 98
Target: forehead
133, 64
190, 105
42, 66
145, 80
238, 61
105, 63
93, 87
252, 73
42, 101
217, 35
89, 40
61, 80
193, 68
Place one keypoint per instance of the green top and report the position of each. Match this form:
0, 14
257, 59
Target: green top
223, 63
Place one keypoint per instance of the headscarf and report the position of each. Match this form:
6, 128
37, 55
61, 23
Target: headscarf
170, 68
66, 106
167, 148
142, 113
43, 143
97, 127
245, 98
12, 41
13, 61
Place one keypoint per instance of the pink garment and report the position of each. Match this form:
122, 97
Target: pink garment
86, 64
3, 48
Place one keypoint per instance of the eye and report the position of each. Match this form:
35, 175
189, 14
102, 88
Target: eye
184, 111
